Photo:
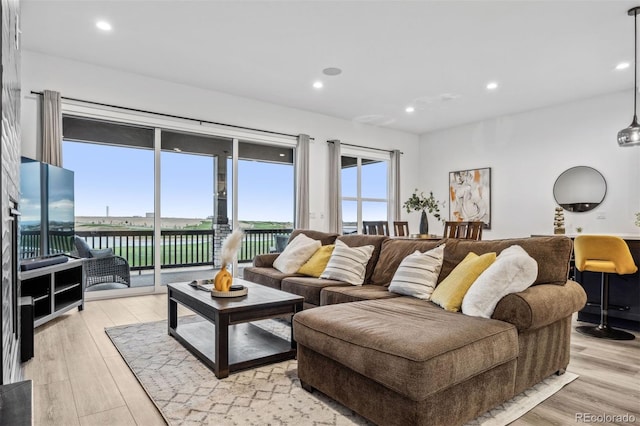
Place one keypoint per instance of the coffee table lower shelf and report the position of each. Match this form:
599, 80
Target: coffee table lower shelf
226, 339
249, 346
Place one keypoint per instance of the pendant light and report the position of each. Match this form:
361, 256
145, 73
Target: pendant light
631, 135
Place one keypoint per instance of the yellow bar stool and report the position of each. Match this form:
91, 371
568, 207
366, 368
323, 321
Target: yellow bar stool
609, 255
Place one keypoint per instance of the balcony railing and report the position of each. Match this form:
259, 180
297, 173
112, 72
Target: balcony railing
180, 248
59, 242
260, 241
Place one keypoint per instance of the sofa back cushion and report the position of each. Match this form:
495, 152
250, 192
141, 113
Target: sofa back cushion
393, 251
551, 253
356, 240
325, 238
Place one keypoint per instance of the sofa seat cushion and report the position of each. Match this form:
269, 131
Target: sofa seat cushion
308, 287
269, 277
334, 295
408, 345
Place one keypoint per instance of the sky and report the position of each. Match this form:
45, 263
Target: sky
373, 185
122, 179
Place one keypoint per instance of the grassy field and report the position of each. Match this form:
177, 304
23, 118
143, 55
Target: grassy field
142, 256
202, 225
186, 252
245, 224
171, 254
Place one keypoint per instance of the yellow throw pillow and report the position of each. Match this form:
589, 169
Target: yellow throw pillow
450, 292
317, 262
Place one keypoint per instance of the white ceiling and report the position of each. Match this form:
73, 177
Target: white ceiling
436, 55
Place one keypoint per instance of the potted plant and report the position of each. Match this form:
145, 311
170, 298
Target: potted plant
419, 202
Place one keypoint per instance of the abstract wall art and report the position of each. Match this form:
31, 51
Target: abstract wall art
470, 196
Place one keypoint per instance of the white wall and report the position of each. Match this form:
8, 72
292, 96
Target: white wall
528, 151
89, 82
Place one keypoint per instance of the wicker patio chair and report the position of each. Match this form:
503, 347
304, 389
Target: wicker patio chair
103, 270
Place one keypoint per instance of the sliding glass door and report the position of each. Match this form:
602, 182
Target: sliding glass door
113, 167
194, 209
164, 199
265, 197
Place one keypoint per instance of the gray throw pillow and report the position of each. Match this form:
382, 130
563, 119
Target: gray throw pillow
83, 248
98, 253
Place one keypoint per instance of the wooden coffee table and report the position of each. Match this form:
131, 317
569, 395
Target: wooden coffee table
233, 343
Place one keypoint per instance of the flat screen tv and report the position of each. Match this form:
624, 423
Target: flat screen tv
47, 213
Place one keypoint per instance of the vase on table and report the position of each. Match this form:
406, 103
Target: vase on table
424, 223
223, 279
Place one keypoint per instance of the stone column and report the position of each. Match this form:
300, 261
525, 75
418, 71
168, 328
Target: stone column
220, 219
220, 197
221, 232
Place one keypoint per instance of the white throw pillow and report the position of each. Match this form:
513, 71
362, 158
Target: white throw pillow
417, 274
296, 253
513, 271
348, 264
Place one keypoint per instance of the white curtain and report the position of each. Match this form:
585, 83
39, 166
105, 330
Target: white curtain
335, 187
302, 182
394, 186
51, 128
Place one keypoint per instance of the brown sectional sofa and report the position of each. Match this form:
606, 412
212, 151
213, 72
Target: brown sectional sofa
398, 360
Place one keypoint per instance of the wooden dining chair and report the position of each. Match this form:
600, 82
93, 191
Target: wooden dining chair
474, 230
463, 230
401, 229
375, 227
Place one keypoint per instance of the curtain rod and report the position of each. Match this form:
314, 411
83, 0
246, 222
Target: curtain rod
173, 116
365, 147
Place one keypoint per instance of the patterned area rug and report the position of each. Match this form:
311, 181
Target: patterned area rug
187, 393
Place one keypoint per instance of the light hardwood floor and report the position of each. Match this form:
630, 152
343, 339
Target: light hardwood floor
80, 379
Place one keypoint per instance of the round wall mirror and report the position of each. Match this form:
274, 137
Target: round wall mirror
579, 189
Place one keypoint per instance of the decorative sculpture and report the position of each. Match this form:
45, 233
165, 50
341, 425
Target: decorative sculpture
223, 279
558, 221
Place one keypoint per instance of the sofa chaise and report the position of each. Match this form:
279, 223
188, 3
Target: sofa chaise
399, 360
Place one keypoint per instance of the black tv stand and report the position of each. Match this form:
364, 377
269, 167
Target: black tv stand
55, 289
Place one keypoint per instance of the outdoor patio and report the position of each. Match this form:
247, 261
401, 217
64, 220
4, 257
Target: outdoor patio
144, 278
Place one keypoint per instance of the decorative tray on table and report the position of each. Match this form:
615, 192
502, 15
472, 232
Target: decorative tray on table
236, 290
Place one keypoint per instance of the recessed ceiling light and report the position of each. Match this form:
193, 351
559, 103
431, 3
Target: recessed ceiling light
492, 85
623, 65
332, 71
282, 155
103, 25
409, 109
318, 85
